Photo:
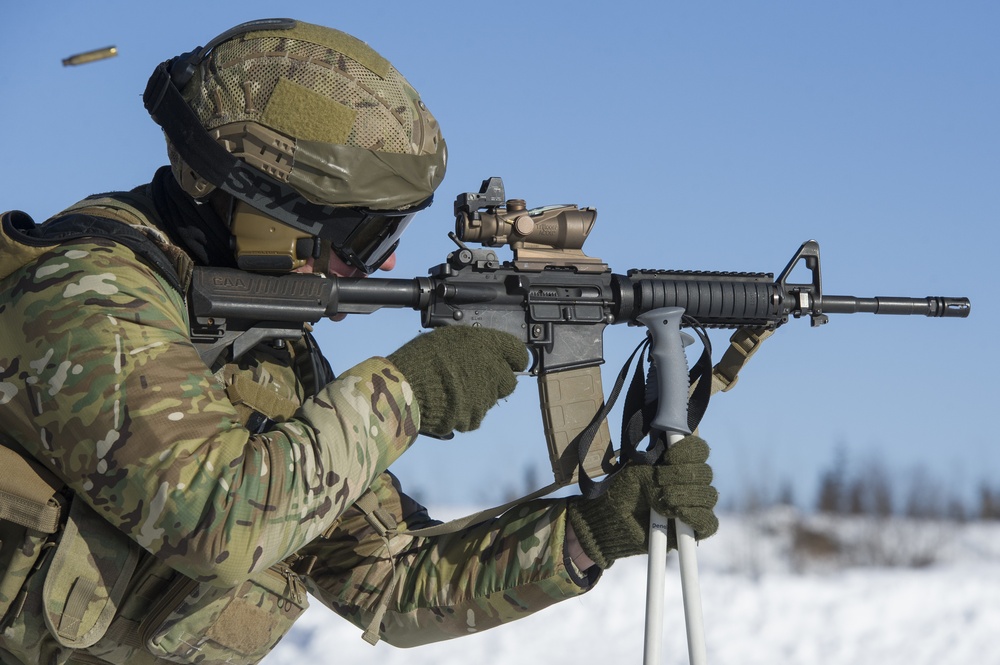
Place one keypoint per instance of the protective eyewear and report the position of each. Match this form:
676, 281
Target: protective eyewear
374, 237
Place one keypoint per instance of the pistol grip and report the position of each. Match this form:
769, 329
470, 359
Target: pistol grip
667, 352
570, 399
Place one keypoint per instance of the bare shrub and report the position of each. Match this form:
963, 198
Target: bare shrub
989, 503
824, 542
813, 547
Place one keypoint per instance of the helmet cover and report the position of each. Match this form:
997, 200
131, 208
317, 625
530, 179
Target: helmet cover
319, 110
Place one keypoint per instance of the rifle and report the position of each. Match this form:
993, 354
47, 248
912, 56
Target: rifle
552, 296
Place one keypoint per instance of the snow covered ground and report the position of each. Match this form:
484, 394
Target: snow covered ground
838, 605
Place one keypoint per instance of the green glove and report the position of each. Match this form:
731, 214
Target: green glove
616, 524
458, 373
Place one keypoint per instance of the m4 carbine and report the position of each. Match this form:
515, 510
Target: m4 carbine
551, 295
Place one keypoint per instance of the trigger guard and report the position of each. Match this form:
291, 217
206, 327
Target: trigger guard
535, 365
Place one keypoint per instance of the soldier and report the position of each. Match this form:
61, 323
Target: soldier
186, 511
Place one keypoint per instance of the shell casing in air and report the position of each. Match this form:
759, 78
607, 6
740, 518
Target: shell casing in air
91, 56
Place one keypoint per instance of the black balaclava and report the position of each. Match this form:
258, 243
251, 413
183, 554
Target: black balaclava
195, 227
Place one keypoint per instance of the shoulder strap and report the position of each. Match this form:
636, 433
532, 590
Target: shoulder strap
129, 208
131, 219
17, 246
86, 225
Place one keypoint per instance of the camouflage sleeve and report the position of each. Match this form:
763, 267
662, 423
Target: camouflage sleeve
448, 585
98, 379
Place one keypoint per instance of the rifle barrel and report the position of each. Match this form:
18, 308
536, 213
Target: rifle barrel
933, 306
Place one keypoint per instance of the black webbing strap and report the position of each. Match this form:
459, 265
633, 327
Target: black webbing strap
639, 409
700, 377
589, 487
75, 226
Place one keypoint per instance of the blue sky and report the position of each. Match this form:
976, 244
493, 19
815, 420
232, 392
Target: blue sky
711, 136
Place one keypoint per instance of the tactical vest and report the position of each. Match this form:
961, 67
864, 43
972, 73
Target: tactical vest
101, 598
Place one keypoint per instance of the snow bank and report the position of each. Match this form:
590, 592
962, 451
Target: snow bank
760, 608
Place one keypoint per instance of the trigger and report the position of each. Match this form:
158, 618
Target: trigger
533, 367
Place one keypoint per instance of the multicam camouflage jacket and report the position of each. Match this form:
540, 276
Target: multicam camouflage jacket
200, 508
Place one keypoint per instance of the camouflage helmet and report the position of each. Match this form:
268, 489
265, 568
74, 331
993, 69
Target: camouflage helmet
305, 125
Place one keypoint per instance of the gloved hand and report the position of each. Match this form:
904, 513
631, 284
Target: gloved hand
616, 523
458, 373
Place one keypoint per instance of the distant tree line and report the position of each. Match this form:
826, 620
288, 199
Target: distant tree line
871, 490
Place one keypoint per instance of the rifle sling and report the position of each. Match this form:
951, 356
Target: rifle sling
742, 345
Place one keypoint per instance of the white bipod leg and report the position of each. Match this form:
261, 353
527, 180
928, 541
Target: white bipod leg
668, 357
